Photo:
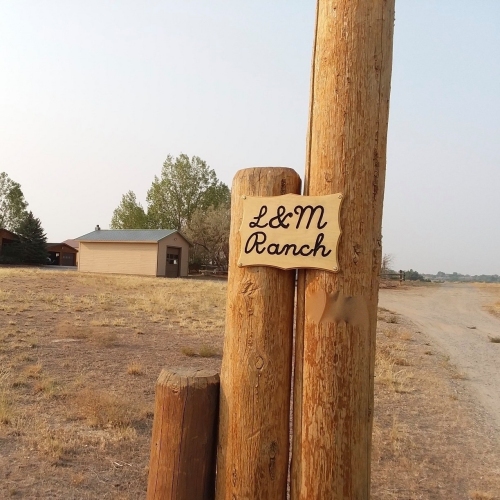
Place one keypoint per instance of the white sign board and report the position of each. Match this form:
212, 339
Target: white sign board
291, 231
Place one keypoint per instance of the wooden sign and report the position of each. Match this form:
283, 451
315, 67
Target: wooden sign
291, 231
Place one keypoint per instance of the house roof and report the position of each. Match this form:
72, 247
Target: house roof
128, 235
10, 233
72, 243
69, 247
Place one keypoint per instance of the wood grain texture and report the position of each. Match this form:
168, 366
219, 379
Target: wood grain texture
253, 445
183, 447
333, 388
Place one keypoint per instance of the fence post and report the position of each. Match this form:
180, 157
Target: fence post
182, 463
252, 457
333, 389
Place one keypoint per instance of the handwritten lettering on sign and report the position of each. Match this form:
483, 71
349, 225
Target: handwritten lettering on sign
290, 231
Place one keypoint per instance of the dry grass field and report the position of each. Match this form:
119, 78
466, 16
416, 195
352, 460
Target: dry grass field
493, 290
80, 354
79, 357
431, 440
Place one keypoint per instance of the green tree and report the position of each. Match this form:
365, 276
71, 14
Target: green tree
412, 275
208, 230
33, 241
216, 196
185, 185
129, 214
12, 203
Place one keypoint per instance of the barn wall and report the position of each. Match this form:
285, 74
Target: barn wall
64, 250
119, 258
174, 240
6, 235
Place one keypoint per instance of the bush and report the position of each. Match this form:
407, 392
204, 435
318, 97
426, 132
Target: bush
412, 275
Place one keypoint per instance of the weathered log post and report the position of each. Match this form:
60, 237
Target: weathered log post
252, 455
335, 338
184, 442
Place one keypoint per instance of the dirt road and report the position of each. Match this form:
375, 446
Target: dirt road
453, 319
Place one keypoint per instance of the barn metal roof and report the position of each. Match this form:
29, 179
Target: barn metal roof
152, 235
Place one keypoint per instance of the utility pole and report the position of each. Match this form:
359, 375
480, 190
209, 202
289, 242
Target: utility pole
337, 312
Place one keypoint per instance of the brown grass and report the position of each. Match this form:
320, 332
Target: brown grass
5, 408
494, 308
101, 408
33, 371
74, 398
427, 430
134, 368
207, 351
493, 291
188, 351
481, 495
79, 365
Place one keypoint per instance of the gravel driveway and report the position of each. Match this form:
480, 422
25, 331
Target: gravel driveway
453, 319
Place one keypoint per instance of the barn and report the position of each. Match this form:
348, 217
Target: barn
7, 238
147, 252
61, 254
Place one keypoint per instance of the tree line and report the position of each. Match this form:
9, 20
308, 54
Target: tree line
412, 275
409, 275
188, 197
15, 217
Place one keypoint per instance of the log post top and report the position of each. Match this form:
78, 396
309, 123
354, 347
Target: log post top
180, 378
261, 181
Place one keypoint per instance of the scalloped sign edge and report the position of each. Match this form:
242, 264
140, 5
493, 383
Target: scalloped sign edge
291, 231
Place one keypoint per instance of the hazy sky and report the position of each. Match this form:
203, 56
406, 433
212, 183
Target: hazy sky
94, 95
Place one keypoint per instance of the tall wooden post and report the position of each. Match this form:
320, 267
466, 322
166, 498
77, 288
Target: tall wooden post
333, 389
252, 458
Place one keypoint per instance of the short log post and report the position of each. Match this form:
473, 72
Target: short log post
253, 447
182, 463
336, 318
